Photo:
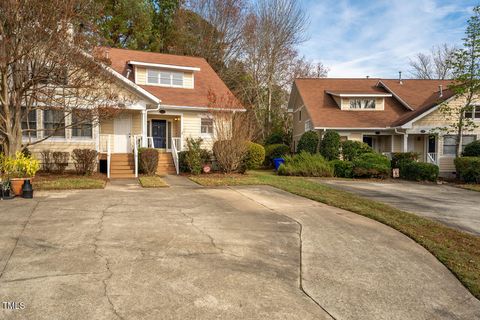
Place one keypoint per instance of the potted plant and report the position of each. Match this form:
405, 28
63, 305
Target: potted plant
24, 167
5, 188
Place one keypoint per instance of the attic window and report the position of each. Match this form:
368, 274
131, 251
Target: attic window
165, 78
356, 104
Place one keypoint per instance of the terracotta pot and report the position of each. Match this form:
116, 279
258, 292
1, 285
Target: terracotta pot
17, 184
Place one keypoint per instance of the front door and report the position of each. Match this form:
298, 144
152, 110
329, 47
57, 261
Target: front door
122, 128
432, 144
159, 133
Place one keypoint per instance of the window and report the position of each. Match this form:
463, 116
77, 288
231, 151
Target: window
165, 78
29, 123
474, 113
207, 126
81, 125
54, 123
450, 142
308, 125
299, 115
362, 104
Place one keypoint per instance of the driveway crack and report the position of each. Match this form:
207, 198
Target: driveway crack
107, 262
299, 233
27, 221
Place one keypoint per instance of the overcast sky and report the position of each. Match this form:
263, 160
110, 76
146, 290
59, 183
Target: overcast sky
356, 38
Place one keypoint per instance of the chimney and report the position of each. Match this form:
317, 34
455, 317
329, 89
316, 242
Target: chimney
440, 88
400, 77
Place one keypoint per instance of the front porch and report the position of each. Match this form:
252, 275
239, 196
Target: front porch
424, 144
120, 139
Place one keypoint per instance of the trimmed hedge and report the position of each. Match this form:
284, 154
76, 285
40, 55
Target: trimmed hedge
330, 145
255, 155
468, 169
308, 142
419, 171
353, 149
342, 169
273, 151
306, 165
371, 165
472, 149
148, 160
398, 158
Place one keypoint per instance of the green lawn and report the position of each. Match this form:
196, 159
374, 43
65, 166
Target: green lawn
152, 182
457, 250
68, 182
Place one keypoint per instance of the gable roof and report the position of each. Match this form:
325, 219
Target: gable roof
409, 100
206, 79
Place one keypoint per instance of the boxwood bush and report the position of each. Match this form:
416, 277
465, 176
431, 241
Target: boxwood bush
330, 145
371, 165
472, 149
352, 149
308, 142
342, 169
419, 171
273, 151
306, 165
255, 155
468, 169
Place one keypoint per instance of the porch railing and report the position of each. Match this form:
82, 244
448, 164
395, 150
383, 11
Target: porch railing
136, 143
175, 154
105, 147
432, 158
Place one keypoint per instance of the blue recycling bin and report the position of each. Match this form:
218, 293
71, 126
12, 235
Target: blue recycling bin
277, 162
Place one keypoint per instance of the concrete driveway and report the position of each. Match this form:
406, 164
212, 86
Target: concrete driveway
188, 252
458, 208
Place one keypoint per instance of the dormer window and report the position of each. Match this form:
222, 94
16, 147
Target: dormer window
356, 104
164, 78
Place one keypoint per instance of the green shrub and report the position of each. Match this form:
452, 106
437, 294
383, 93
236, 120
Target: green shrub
472, 149
352, 149
308, 142
306, 165
193, 156
419, 171
85, 161
182, 161
342, 169
274, 138
148, 160
468, 169
371, 165
255, 155
275, 151
330, 145
399, 158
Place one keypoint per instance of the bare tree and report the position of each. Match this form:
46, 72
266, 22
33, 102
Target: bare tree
46, 63
434, 65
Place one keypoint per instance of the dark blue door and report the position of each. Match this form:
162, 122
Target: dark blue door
159, 133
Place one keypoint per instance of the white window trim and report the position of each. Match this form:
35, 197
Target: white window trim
362, 108
207, 134
159, 84
308, 123
475, 107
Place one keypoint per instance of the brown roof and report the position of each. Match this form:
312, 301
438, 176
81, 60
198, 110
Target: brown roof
419, 95
206, 80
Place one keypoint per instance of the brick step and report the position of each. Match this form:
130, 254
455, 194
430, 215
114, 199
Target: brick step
121, 172
121, 165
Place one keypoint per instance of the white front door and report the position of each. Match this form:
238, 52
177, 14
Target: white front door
122, 128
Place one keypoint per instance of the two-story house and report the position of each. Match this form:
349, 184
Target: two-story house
171, 104
389, 115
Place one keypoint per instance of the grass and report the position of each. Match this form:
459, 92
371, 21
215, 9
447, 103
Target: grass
68, 182
458, 251
472, 187
152, 182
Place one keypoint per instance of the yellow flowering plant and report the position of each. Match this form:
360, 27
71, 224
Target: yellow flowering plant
25, 166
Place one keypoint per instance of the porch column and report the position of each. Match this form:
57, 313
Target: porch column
144, 129
405, 142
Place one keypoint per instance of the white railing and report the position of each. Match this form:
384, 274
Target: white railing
150, 143
178, 143
137, 142
432, 158
175, 154
105, 147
